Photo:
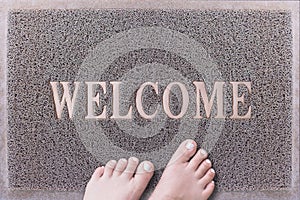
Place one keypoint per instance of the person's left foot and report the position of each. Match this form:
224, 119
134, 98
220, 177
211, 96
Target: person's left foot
122, 180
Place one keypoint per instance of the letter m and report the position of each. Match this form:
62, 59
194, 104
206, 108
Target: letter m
66, 98
208, 103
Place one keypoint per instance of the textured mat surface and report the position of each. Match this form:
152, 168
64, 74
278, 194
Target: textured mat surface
133, 47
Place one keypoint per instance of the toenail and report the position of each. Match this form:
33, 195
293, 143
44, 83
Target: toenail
147, 167
203, 152
208, 161
112, 163
123, 160
212, 170
189, 146
135, 159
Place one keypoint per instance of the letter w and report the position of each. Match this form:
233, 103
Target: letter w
66, 98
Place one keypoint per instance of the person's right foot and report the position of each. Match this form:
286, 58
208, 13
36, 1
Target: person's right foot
188, 176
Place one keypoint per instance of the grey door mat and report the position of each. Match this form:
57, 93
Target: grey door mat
133, 47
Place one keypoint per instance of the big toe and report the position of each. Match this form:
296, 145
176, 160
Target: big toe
184, 152
97, 173
142, 176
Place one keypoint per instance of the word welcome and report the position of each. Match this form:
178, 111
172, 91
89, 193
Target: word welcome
201, 94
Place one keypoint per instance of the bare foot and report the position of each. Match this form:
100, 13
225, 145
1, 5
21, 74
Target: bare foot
122, 180
188, 176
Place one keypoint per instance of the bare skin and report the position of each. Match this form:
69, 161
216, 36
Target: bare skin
188, 175
122, 180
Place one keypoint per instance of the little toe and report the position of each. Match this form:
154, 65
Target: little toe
207, 178
209, 189
184, 152
121, 165
109, 168
203, 168
143, 175
131, 167
197, 159
97, 173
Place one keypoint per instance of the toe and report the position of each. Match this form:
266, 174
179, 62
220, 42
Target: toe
209, 189
142, 176
109, 168
131, 167
197, 159
97, 173
184, 152
121, 165
203, 168
207, 178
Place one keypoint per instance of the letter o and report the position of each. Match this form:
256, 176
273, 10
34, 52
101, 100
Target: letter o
166, 100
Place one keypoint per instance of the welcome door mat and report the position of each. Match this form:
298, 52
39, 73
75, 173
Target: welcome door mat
87, 86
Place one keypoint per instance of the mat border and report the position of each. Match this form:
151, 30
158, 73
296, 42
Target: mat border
6, 5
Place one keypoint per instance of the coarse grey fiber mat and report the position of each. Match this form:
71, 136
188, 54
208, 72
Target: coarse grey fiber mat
137, 46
